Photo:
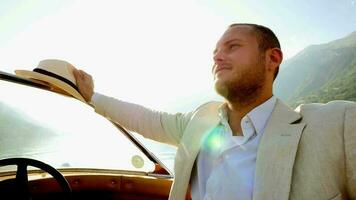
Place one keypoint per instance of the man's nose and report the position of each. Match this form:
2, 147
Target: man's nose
219, 56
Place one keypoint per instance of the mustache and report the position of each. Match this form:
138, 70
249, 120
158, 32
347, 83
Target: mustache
218, 67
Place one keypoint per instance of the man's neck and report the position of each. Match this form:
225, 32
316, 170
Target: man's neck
237, 110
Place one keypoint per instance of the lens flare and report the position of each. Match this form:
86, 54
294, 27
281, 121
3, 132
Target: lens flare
213, 141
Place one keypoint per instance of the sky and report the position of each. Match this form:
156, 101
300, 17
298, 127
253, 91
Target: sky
156, 53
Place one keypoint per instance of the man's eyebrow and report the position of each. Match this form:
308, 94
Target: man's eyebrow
233, 40
229, 41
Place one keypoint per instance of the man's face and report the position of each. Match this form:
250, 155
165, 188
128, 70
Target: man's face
239, 69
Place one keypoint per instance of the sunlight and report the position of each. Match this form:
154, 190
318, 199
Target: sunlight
214, 141
155, 53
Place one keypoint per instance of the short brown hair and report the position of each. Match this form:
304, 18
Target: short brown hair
265, 36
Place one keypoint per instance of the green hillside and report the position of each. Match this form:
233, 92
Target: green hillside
320, 73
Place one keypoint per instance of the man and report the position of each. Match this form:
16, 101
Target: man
252, 146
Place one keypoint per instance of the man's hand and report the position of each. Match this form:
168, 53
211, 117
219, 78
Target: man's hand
85, 84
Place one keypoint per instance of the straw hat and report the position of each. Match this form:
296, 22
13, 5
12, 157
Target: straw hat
56, 73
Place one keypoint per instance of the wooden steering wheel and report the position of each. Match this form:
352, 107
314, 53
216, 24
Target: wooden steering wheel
18, 188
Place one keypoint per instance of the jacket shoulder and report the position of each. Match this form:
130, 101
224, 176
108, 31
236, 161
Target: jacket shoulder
208, 108
332, 105
211, 104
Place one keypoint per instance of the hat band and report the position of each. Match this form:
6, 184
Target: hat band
45, 72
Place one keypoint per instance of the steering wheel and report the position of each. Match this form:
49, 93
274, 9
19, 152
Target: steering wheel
21, 191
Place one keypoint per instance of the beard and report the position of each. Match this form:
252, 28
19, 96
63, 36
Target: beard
245, 86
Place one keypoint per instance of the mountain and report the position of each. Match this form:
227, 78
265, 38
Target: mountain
319, 73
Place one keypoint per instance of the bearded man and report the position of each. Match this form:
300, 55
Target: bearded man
252, 146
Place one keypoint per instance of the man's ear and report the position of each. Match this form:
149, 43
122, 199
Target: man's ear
274, 58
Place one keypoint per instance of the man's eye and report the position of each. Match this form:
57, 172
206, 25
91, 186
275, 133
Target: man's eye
234, 46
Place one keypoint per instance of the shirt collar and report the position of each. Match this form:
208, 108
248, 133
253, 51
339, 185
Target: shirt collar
259, 116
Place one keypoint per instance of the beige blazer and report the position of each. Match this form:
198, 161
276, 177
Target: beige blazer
309, 153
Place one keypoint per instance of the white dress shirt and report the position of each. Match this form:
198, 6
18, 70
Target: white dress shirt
225, 166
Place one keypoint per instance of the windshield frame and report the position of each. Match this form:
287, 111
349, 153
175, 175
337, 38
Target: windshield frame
160, 167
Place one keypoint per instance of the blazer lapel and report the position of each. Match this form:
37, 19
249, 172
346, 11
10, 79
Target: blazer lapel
276, 154
202, 123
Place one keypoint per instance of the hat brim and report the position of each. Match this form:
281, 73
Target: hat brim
51, 81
